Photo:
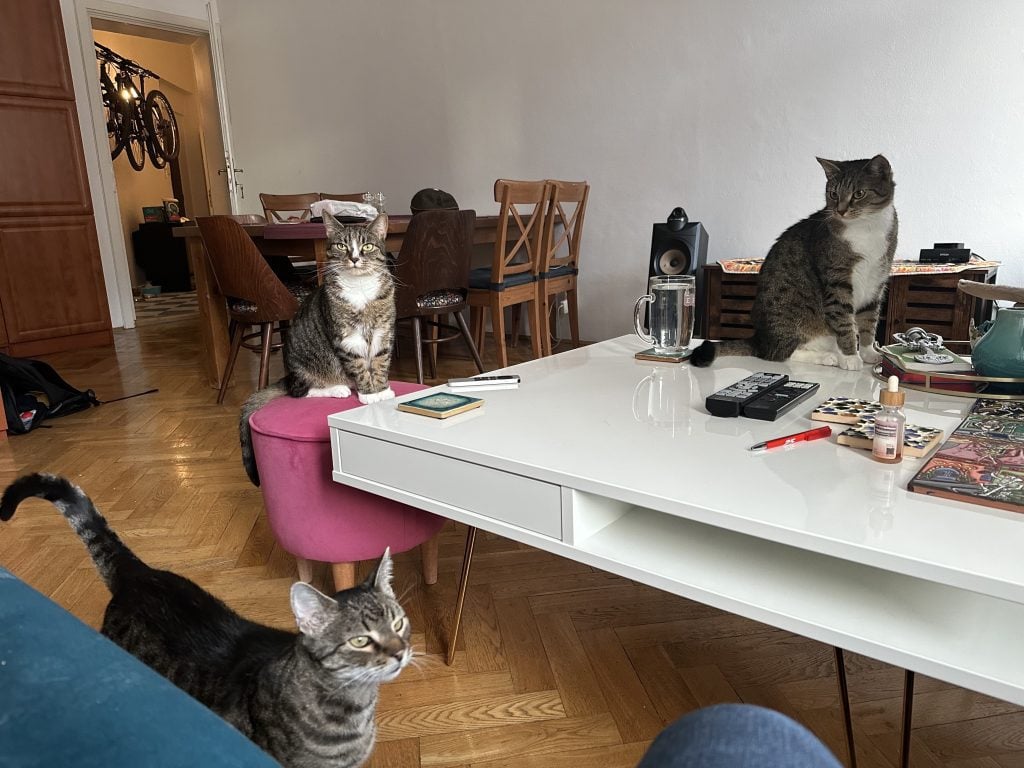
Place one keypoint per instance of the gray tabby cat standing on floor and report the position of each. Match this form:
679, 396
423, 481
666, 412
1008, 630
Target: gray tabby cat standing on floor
342, 335
308, 699
822, 284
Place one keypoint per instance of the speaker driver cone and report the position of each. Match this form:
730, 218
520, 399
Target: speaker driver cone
673, 262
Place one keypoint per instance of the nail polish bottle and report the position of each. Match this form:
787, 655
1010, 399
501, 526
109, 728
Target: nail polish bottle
889, 425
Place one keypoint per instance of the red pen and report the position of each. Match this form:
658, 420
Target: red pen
799, 437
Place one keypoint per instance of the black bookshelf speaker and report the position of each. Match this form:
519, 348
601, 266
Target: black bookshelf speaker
680, 247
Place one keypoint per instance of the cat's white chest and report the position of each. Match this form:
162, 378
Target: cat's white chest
360, 291
869, 237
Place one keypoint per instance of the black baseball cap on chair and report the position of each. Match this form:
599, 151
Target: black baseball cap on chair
431, 200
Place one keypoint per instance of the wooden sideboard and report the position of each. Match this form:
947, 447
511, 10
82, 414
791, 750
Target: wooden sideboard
930, 301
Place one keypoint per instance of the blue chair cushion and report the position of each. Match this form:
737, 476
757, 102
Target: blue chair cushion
481, 278
72, 697
561, 271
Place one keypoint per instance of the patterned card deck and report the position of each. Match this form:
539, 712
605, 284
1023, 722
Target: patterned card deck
917, 441
845, 410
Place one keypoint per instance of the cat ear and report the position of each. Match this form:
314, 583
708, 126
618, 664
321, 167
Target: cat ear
379, 227
313, 610
879, 166
380, 579
334, 226
832, 169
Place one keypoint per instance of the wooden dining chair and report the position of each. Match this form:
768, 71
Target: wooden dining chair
432, 280
255, 295
511, 279
560, 254
281, 209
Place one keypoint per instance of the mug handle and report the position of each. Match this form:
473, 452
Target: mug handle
636, 319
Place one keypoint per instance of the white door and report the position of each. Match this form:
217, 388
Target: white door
227, 170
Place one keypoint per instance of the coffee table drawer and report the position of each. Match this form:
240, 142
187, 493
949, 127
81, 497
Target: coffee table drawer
510, 498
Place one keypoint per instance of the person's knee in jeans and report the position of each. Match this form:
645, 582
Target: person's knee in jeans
737, 736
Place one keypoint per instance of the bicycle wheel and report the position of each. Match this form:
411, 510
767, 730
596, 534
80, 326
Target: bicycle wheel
161, 125
135, 142
115, 129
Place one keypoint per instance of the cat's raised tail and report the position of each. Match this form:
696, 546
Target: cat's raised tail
257, 400
705, 354
108, 552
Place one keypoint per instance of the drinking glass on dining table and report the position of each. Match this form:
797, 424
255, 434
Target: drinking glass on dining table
671, 302
376, 199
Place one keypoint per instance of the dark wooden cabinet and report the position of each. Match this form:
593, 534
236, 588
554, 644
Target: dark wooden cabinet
52, 293
930, 301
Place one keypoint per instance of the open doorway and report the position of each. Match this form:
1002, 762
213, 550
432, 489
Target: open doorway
157, 262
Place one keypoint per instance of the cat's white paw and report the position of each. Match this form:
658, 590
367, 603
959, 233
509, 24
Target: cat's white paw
851, 362
870, 356
375, 397
338, 390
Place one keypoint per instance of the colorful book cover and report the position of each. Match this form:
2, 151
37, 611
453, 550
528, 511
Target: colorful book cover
982, 461
845, 410
440, 405
917, 441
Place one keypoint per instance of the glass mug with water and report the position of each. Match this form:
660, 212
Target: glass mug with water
671, 303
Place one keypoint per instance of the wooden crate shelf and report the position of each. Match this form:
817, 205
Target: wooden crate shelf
930, 301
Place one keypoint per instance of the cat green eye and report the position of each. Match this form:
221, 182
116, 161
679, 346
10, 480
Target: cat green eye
359, 642
342, 248
367, 247
859, 194
398, 624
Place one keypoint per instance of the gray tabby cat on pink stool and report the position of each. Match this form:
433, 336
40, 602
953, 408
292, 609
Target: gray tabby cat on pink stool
821, 286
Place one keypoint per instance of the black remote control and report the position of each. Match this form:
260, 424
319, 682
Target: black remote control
768, 406
729, 401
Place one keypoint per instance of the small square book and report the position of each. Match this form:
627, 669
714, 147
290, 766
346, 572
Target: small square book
440, 405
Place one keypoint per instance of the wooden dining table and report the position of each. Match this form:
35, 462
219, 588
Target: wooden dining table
304, 241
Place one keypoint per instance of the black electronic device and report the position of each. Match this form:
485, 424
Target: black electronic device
769, 406
945, 253
680, 247
730, 401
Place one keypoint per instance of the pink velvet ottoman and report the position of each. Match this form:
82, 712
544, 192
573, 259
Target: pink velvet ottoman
317, 519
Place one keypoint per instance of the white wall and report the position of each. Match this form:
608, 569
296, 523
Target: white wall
720, 106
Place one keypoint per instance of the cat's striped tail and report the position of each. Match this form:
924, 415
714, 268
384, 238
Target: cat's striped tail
108, 552
705, 354
256, 401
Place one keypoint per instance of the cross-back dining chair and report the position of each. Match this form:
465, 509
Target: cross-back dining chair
511, 279
280, 209
255, 295
432, 279
560, 254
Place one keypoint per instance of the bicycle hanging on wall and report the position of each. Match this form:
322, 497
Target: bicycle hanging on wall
138, 123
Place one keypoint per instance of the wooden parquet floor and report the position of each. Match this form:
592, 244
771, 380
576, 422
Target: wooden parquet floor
559, 665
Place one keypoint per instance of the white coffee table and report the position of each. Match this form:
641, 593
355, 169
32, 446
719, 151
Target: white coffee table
615, 463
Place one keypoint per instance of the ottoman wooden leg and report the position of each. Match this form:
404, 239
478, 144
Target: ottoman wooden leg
428, 552
305, 569
344, 575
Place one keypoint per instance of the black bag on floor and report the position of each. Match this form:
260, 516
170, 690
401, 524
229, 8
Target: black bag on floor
21, 379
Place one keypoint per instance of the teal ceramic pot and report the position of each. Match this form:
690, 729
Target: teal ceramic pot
1000, 352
